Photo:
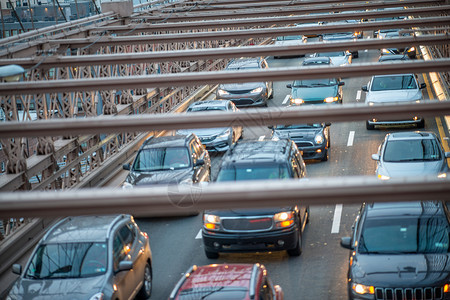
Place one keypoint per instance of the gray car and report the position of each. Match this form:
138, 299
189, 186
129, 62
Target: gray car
214, 139
391, 89
89, 258
413, 153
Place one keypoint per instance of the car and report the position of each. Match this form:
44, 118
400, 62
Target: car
412, 153
399, 251
178, 159
317, 61
391, 89
316, 91
289, 40
395, 33
338, 58
249, 93
343, 36
313, 140
393, 57
260, 229
88, 257
226, 281
215, 139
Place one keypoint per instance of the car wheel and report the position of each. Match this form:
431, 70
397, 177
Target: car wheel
307, 215
421, 124
369, 126
325, 155
329, 140
297, 251
211, 254
146, 290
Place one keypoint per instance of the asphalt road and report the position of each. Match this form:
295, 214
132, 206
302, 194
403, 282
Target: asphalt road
320, 272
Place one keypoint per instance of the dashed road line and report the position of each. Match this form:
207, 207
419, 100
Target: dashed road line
336, 219
285, 99
199, 235
261, 138
358, 95
351, 137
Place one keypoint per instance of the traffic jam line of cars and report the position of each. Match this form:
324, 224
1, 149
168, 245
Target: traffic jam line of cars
397, 250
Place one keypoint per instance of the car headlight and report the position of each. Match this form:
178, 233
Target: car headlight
222, 92
283, 219
442, 175
318, 139
371, 104
275, 138
385, 51
383, 177
98, 296
363, 289
256, 91
187, 181
211, 222
331, 99
297, 101
127, 185
411, 49
226, 133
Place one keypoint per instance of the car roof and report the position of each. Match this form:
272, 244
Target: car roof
393, 57
83, 229
257, 152
404, 209
244, 62
208, 103
230, 275
166, 141
410, 135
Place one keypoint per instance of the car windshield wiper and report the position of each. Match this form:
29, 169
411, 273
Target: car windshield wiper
321, 84
411, 159
301, 85
65, 269
212, 292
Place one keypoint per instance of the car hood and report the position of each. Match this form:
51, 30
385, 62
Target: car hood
300, 133
399, 169
393, 96
339, 60
159, 177
338, 37
401, 270
314, 93
241, 86
53, 289
248, 212
203, 132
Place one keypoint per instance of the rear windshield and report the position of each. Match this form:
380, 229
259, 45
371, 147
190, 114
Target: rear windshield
253, 172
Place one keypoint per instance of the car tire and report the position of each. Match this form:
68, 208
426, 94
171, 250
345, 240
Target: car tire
369, 126
297, 251
329, 140
325, 155
146, 291
211, 254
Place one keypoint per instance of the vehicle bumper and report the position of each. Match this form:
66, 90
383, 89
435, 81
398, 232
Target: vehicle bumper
412, 121
217, 144
355, 296
246, 100
316, 152
250, 242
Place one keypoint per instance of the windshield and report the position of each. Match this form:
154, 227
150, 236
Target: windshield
206, 108
298, 126
68, 260
157, 159
405, 235
213, 293
289, 38
331, 54
412, 150
315, 82
395, 82
253, 172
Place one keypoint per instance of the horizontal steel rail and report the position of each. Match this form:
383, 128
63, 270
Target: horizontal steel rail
248, 118
200, 78
160, 200
228, 52
247, 33
268, 21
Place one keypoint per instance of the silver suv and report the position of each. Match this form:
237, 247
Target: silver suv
88, 257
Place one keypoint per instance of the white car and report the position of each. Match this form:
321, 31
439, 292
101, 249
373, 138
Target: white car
399, 88
289, 40
338, 58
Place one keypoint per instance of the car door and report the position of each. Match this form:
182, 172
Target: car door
124, 280
237, 129
198, 152
269, 84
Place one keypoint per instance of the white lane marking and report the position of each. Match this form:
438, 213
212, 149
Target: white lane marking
358, 95
286, 99
336, 218
199, 235
261, 138
351, 137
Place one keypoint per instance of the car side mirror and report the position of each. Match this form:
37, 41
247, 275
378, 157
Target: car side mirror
346, 242
17, 269
125, 265
341, 83
327, 124
364, 88
376, 157
270, 127
199, 162
423, 85
126, 167
289, 86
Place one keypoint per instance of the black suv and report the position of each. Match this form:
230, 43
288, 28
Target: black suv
248, 93
399, 251
258, 229
169, 159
